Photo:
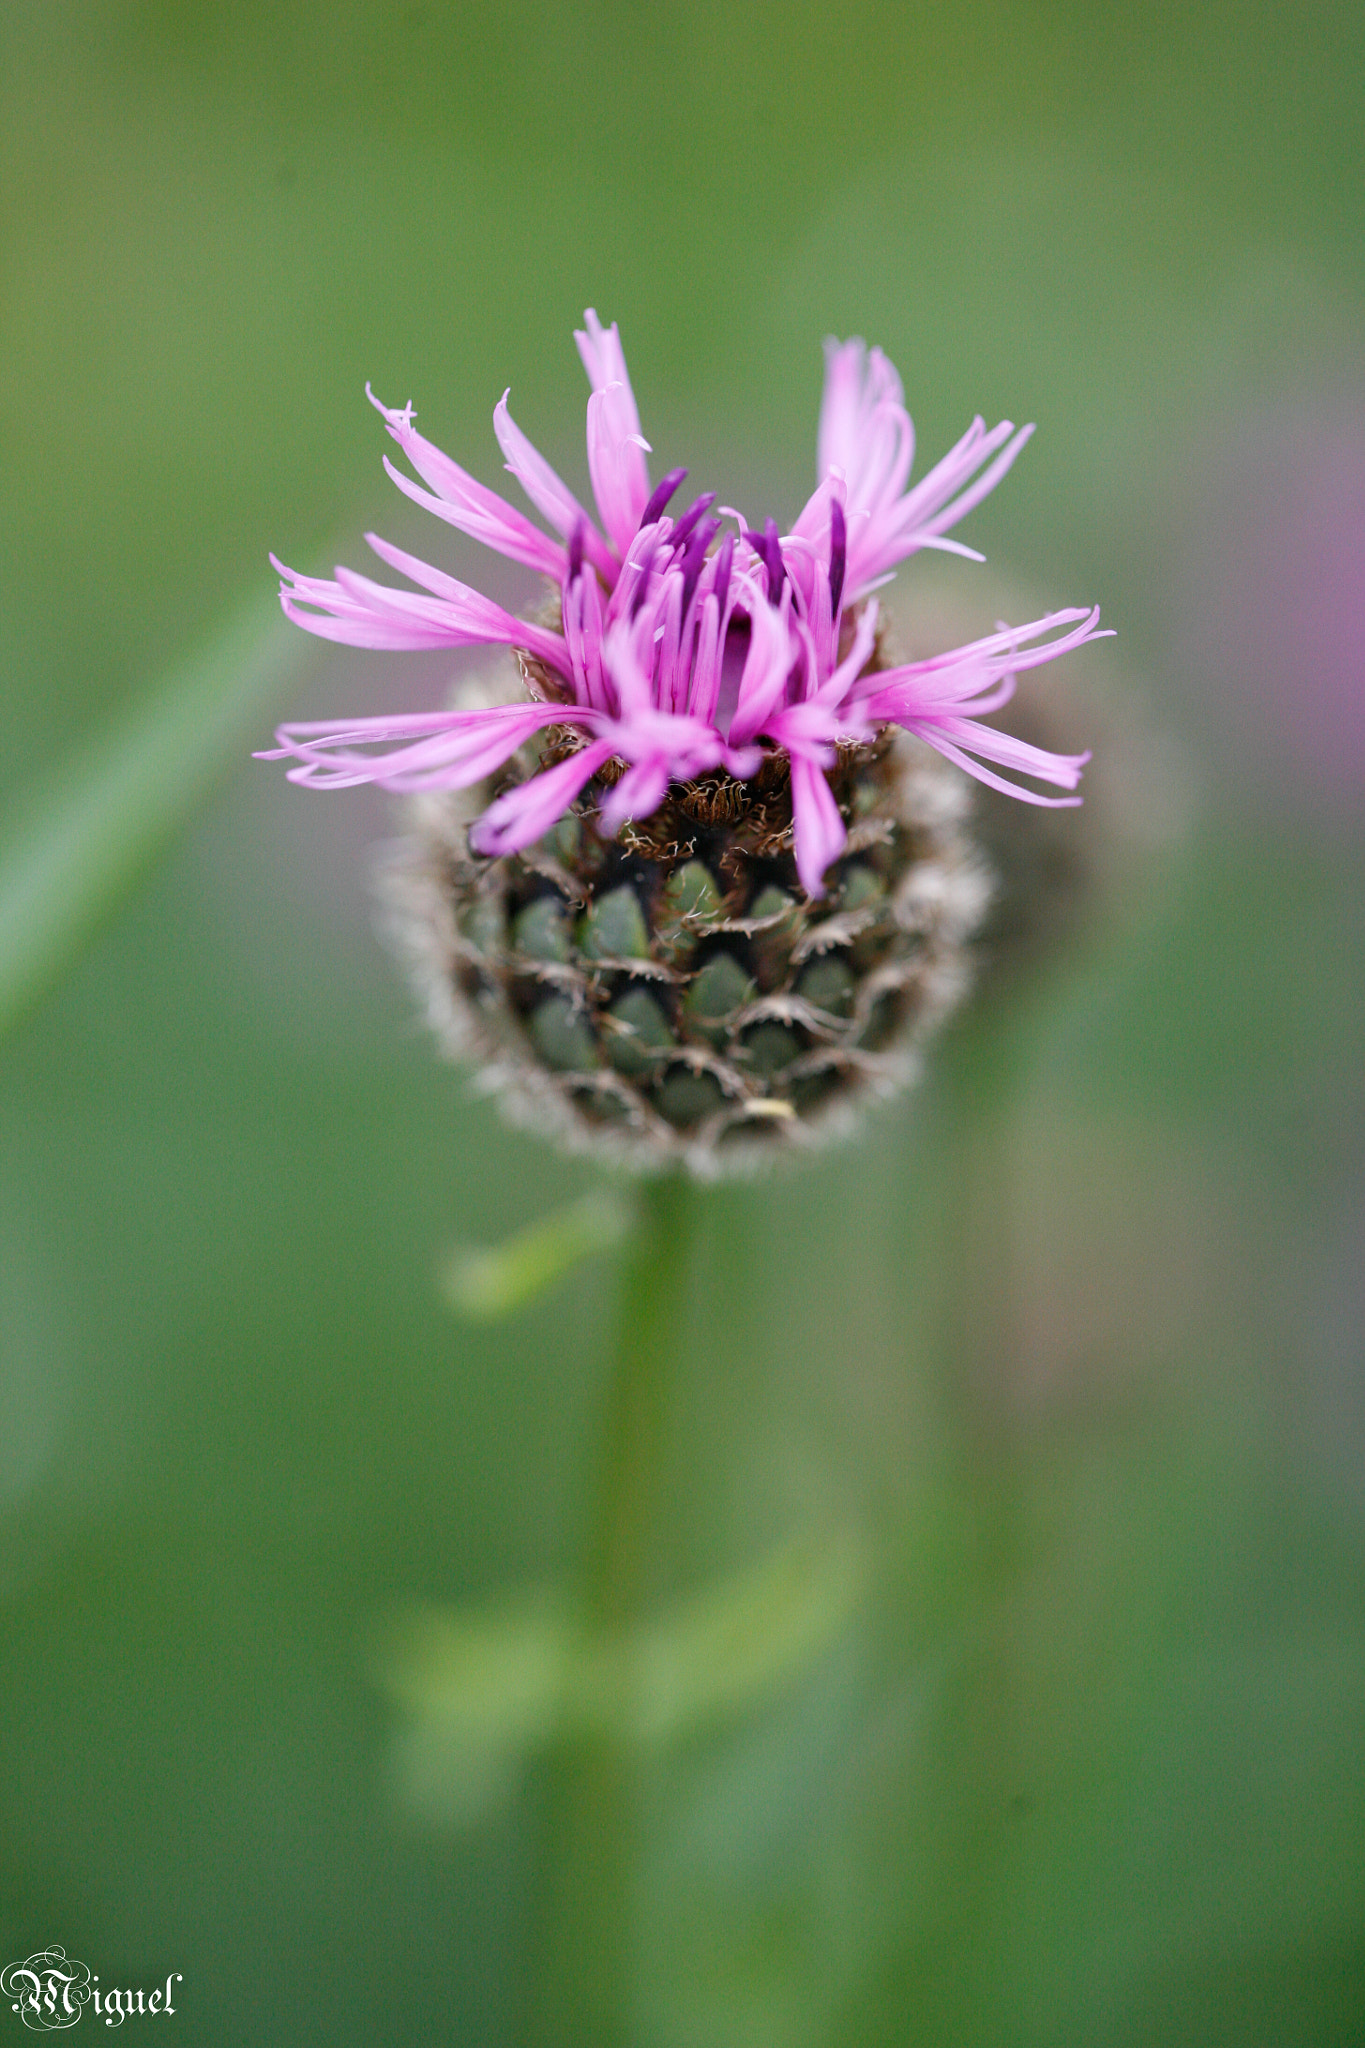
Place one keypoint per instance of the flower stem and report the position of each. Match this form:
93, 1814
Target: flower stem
592, 1841
621, 1554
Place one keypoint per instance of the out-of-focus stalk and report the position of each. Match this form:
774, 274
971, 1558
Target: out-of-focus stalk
584, 1969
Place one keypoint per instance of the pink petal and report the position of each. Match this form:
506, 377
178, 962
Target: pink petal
638, 794
1059, 768
488, 621
930, 699
837, 442
620, 481
361, 613
616, 459
820, 832
865, 432
958, 677
1021, 755
548, 493
430, 750
527, 812
462, 501
670, 688
855, 661
983, 486
918, 519
361, 629
582, 606
767, 666
628, 658
604, 360
706, 659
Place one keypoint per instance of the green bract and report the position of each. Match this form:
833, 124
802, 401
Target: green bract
673, 992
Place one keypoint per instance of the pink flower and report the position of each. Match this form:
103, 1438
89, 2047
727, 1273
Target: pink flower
683, 649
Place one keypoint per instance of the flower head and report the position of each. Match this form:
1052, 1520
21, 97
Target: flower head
684, 646
699, 890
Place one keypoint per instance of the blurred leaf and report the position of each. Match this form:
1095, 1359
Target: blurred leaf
87, 831
736, 1642
478, 1692
500, 1673
485, 1285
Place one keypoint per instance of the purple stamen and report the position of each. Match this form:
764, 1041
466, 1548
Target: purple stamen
694, 557
660, 496
838, 555
576, 551
765, 546
691, 516
723, 562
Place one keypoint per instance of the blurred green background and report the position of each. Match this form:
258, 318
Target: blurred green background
1054, 1727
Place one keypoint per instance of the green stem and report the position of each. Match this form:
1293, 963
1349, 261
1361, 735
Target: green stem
621, 1553
587, 1968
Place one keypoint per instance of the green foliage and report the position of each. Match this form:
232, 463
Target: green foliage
84, 833
486, 1285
